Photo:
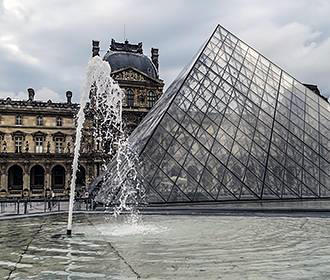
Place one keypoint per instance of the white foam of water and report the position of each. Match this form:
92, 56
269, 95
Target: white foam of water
93, 72
105, 105
120, 187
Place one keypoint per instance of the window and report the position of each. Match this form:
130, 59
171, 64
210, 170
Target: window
18, 144
151, 98
59, 121
40, 120
19, 120
37, 177
58, 177
15, 178
39, 144
130, 98
59, 144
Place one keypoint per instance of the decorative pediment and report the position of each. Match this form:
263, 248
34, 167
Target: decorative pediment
59, 135
18, 133
132, 74
39, 134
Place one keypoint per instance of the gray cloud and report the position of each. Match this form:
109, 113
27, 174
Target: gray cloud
46, 44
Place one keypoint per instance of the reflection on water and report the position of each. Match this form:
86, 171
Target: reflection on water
167, 247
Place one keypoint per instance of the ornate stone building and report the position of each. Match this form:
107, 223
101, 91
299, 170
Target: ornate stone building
37, 138
137, 74
36, 147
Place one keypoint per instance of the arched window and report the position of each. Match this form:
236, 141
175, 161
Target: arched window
37, 177
58, 177
130, 98
151, 98
15, 178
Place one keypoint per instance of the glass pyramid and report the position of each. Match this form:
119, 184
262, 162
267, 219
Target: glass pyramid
234, 126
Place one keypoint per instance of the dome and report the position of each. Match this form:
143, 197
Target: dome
121, 59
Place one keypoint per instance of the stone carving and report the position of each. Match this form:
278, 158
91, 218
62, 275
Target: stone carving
27, 146
130, 75
141, 98
68, 147
4, 147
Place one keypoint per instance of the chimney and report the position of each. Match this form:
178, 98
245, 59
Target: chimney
68, 96
154, 57
96, 48
31, 94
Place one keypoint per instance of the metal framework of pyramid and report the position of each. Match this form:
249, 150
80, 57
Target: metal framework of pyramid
234, 126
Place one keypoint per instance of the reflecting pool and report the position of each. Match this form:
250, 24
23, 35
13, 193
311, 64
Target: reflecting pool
166, 247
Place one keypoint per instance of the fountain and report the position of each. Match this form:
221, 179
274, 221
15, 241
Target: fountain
105, 104
243, 238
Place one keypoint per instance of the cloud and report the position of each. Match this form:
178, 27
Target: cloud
48, 43
296, 48
13, 95
46, 94
42, 94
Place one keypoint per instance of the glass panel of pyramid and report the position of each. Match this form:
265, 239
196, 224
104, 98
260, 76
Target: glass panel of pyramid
234, 126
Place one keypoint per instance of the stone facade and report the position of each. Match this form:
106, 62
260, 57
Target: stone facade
37, 138
36, 148
145, 92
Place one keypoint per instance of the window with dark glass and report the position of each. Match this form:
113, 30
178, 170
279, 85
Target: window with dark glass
37, 176
130, 98
15, 178
59, 121
19, 120
40, 120
58, 177
151, 98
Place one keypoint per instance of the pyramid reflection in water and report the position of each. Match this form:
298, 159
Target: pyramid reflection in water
234, 126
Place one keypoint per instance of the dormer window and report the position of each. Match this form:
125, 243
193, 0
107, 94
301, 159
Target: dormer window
19, 120
59, 121
40, 120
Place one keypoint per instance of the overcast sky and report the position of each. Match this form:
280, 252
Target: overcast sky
46, 44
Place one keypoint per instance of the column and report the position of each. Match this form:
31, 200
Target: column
26, 179
3, 178
48, 177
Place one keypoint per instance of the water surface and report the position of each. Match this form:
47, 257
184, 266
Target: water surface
166, 247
